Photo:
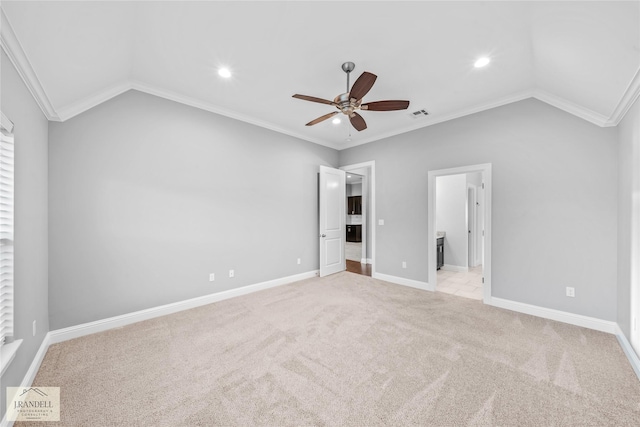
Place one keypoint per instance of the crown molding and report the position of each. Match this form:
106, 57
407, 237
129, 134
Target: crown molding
18, 58
429, 121
192, 102
20, 61
626, 101
81, 106
571, 108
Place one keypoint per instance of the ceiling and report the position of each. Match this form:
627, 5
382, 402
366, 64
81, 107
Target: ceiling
352, 178
582, 57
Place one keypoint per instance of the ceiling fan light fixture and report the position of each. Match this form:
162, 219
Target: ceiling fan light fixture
482, 62
224, 72
336, 121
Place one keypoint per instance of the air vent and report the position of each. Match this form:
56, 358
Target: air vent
420, 113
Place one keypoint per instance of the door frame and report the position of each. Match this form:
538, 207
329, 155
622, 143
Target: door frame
485, 169
368, 198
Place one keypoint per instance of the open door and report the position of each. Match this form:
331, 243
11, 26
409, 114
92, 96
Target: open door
332, 200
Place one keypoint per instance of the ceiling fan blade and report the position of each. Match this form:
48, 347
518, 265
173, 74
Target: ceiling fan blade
362, 85
314, 99
385, 105
322, 118
358, 122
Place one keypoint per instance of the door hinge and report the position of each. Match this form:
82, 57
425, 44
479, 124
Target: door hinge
482, 233
483, 280
483, 185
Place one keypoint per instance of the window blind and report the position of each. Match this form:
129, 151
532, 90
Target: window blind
6, 228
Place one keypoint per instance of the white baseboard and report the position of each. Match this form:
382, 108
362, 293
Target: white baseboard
560, 316
457, 268
31, 372
72, 332
628, 350
402, 281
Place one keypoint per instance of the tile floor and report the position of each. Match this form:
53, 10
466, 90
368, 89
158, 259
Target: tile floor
353, 251
464, 284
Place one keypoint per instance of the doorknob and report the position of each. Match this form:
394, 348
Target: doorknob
323, 235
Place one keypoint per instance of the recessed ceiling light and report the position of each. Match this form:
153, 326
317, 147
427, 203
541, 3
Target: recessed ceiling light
224, 72
336, 121
481, 62
348, 176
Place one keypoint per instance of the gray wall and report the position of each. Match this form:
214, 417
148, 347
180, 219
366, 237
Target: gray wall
148, 196
628, 185
554, 201
354, 189
30, 268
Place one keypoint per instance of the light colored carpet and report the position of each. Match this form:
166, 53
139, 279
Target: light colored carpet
353, 251
344, 350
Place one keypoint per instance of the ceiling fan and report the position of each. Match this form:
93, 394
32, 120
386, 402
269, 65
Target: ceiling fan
347, 103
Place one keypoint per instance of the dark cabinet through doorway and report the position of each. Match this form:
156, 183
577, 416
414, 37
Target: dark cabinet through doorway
354, 205
354, 233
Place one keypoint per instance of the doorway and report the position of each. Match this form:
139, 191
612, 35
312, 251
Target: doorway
359, 244
354, 254
468, 259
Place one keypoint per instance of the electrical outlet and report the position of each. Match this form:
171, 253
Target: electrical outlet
571, 292
381, 222
232, 273
298, 261
34, 328
212, 277
404, 264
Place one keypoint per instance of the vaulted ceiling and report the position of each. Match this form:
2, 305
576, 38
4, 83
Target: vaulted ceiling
580, 56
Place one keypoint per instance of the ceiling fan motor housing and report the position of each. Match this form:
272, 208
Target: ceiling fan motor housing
345, 104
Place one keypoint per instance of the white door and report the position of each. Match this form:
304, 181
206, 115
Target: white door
471, 228
332, 220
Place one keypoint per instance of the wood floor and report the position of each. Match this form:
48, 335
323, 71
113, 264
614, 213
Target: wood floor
359, 268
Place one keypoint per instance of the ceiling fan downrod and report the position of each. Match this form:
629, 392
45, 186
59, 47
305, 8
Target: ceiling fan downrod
348, 67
